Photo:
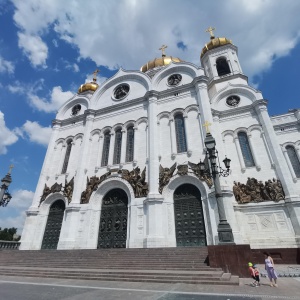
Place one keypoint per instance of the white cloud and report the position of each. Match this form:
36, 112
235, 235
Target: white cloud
13, 215
6, 66
34, 48
35, 132
129, 33
7, 137
57, 99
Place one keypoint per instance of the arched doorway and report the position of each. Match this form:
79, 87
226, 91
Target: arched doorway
53, 226
189, 221
113, 220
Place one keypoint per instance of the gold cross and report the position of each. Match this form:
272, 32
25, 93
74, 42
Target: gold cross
162, 48
10, 168
211, 31
206, 125
95, 74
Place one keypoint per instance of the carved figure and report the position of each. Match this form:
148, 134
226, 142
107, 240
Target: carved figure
196, 169
182, 170
257, 191
91, 186
56, 188
165, 175
46, 193
68, 189
137, 181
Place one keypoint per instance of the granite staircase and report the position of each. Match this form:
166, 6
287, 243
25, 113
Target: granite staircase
165, 265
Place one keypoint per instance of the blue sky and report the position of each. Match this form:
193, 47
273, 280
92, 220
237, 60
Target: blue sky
49, 47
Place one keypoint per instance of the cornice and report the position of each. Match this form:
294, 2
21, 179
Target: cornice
226, 78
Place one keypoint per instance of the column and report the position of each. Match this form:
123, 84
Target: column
239, 152
173, 138
268, 150
292, 198
286, 156
111, 149
80, 178
154, 202
100, 150
135, 142
46, 165
124, 145
256, 162
187, 131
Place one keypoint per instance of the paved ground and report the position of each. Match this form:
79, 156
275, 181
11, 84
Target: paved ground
15, 288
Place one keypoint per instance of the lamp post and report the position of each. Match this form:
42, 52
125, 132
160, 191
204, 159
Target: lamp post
215, 171
5, 196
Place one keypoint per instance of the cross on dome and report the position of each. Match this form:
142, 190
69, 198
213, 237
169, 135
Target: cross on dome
206, 125
162, 48
210, 30
95, 74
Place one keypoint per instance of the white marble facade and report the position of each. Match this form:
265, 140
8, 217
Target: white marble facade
150, 107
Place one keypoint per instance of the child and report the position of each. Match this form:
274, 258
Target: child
252, 274
256, 274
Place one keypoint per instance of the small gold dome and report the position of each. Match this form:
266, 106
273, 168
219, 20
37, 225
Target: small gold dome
90, 86
159, 62
215, 43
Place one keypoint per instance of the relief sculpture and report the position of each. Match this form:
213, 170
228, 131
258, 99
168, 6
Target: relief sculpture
257, 191
165, 174
137, 181
91, 186
68, 189
55, 188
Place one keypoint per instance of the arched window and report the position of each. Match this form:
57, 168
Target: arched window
294, 159
105, 153
118, 145
222, 66
246, 150
130, 144
67, 157
180, 133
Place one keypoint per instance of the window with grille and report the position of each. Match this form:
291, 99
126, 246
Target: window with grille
222, 66
105, 152
291, 151
180, 134
246, 150
118, 146
67, 157
130, 144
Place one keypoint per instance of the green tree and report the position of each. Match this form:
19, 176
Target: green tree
7, 234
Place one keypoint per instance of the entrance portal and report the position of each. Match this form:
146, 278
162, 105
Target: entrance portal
53, 226
113, 220
189, 222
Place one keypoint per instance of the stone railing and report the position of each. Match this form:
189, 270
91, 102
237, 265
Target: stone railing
11, 245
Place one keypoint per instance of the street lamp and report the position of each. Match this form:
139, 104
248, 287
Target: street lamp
5, 196
214, 171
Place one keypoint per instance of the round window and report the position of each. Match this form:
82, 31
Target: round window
174, 79
76, 109
233, 100
121, 91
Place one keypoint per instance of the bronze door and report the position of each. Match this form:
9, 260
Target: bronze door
53, 226
113, 220
189, 221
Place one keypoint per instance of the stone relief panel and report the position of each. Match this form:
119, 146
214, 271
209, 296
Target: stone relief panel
264, 222
140, 220
257, 191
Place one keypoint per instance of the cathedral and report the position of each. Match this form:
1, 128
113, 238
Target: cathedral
128, 164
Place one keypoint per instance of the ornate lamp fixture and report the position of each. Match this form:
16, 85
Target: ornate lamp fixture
214, 171
5, 196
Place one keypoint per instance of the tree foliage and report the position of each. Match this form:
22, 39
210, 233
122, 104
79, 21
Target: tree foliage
7, 234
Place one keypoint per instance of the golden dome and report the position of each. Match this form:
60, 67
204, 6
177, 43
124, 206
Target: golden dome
90, 86
215, 43
159, 62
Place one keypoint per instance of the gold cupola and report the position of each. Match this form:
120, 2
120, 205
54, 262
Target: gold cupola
214, 42
90, 86
162, 61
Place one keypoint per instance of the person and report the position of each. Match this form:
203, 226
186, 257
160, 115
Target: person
252, 274
269, 267
256, 274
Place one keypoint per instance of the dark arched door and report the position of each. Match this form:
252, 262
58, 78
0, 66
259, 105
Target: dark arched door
113, 220
189, 221
53, 226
